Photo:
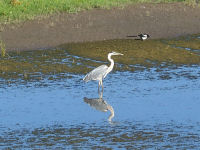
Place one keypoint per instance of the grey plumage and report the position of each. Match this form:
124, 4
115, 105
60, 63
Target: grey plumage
101, 72
97, 73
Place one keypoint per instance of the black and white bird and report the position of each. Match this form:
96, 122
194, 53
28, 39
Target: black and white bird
144, 36
141, 36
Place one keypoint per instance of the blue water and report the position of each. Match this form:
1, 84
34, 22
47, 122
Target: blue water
154, 108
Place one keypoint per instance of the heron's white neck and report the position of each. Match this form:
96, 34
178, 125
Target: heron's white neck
111, 61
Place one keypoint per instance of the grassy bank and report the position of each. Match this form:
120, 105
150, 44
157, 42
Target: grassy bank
19, 10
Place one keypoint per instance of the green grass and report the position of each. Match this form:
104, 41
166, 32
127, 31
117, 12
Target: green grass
19, 10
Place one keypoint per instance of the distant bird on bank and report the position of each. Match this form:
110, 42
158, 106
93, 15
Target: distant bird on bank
101, 72
141, 36
144, 36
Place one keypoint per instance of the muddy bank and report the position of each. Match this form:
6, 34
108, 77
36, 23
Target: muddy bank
159, 20
80, 58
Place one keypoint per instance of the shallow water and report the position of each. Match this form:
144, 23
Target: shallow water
152, 108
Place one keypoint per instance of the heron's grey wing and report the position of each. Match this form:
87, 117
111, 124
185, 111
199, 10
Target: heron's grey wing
96, 74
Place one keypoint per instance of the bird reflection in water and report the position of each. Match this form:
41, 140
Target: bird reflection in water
101, 105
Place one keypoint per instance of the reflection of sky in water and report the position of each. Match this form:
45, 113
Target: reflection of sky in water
153, 100
147, 95
154, 108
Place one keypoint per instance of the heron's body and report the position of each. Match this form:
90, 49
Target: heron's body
101, 72
98, 73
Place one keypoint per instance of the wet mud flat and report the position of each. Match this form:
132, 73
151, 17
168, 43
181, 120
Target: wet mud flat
79, 58
124, 136
153, 90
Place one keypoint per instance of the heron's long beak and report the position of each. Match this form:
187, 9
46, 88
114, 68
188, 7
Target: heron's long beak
116, 53
120, 54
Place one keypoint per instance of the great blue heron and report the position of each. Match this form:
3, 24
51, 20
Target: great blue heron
101, 72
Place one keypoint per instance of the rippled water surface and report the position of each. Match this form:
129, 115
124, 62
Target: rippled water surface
150, 108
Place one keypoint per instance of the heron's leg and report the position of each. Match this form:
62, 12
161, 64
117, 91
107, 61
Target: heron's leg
99, 86
102, 85
100, 94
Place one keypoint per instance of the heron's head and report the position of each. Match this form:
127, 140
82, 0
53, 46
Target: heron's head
115, 53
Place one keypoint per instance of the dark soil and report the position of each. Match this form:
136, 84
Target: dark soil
158, 20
